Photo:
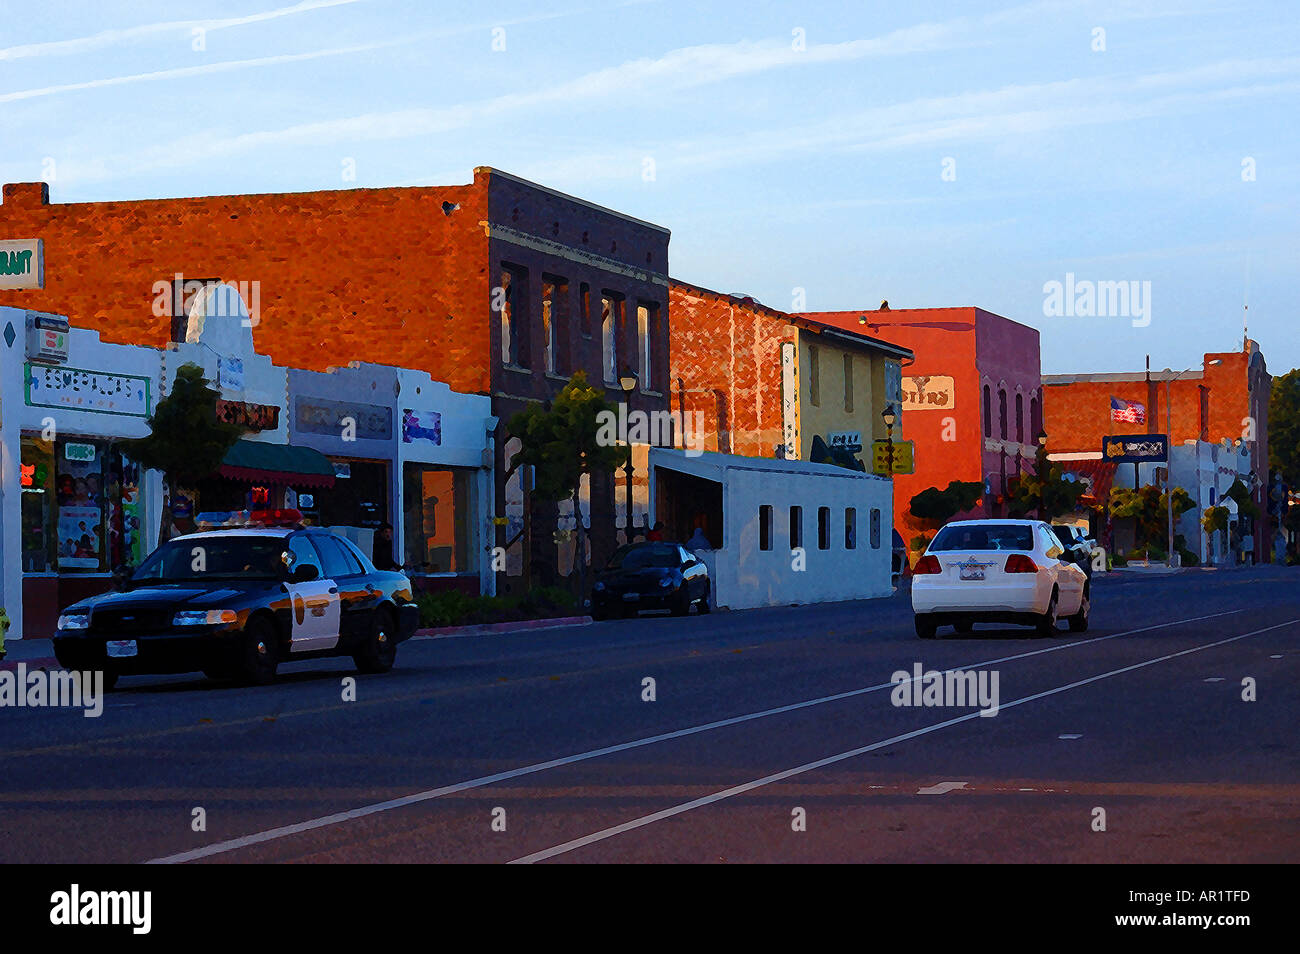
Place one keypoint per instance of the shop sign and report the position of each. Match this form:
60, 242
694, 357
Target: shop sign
79, 452
337, 418
789, 401
1135, 448
421, 426
845, 440
253, 417
230, 373
47, 338
903, 458
22, 263
932, 392
75, 389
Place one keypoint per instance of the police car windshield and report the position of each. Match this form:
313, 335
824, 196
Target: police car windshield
985, 536
202, 558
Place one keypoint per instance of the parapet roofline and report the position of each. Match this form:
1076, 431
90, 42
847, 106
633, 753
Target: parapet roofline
869, 313
1120, 377
801, 321
570, 198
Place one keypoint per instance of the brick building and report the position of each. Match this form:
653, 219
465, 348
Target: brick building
499, 287
1225, 400
766, 383
970, 399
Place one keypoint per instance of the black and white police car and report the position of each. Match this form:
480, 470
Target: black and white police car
236, 603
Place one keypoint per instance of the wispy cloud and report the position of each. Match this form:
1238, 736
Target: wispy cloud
179, 72
108, 38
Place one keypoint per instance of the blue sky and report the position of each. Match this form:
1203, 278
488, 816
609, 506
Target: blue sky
782, 160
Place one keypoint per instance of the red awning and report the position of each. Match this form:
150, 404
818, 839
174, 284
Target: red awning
1099, 473
264, 463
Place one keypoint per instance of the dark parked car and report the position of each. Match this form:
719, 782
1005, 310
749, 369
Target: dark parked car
898, 564
650, 576
1078, 548
237, 603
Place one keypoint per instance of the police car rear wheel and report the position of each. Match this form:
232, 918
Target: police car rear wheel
380, 649
261, 652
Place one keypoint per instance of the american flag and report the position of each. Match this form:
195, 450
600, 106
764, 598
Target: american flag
1129, 412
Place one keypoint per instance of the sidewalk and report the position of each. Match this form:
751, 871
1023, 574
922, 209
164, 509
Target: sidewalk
34, 652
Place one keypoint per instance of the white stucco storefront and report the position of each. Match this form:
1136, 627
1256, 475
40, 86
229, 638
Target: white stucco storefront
783, 532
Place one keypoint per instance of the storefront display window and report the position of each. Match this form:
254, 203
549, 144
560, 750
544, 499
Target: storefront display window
435, 513
81, 507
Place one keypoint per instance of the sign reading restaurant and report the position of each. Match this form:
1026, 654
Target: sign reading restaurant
22, 263
74, 389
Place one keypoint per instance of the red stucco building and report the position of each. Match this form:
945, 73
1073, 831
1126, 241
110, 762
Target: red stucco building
971, 397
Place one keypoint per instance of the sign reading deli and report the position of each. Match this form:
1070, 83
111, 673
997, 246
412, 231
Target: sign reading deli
22, 263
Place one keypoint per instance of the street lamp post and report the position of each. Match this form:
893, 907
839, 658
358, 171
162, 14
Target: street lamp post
890, 417
627, 381
1043, 470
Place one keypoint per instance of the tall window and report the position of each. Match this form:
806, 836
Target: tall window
850, 528
1002, 413
848, 383
724, 425
875, 529
514, 316
1020, 418
1035, 417
988, 413
555, 323
796, 527
823, 528
584, 309
814, 376
645, 321
765, 527
609, 308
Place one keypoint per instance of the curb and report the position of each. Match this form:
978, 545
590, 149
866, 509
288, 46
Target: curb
496, 629
35, 662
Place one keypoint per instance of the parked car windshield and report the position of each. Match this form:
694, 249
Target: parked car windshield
640, 556
1066, 535
198, 558
984, 536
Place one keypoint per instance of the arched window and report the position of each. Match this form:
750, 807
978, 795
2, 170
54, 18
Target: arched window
1035, 418
988, 413
1020, 418
1002, 414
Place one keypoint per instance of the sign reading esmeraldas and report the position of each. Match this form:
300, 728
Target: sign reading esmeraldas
22, 263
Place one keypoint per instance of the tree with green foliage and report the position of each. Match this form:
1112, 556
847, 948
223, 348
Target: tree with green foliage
1284, 427
1246, 507
1148, 507
185, 441
1045, 493
562, 441
936, 507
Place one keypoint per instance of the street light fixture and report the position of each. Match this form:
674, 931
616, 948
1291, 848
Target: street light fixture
890, 417
628, 381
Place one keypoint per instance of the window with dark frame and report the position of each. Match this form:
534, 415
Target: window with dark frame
823, 528
850, 528
848, 383
875, 529
514, 316
814, 376
796, 527
765, 527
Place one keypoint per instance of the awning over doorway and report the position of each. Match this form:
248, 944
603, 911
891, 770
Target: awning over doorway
260, 462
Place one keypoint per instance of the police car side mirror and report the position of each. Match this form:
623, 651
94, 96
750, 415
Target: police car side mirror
304, 573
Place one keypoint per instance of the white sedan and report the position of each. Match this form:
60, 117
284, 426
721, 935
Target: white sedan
997, 571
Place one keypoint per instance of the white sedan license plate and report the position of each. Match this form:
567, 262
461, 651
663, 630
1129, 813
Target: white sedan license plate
119, 648
972, 573
631, 597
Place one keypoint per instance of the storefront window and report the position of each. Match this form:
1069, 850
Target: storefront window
81, 507
38, 506
435, 512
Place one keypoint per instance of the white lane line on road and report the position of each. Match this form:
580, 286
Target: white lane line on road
942, 788
1070, 735
285, 831
861, 750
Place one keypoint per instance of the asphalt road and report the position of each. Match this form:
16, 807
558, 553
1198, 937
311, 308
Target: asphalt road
763, 722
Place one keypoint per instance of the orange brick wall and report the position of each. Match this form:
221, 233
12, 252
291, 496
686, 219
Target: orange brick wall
380, 274
717, 343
